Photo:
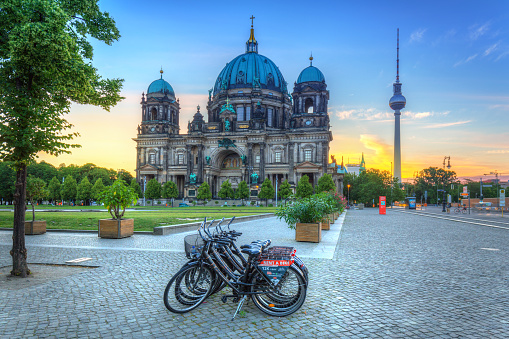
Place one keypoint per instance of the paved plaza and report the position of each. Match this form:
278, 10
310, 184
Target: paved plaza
401, 275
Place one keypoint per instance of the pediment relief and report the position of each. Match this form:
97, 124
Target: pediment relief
307, 165
148, 167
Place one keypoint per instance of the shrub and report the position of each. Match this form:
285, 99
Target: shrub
117, 197
307, 210
270, 205
216, 202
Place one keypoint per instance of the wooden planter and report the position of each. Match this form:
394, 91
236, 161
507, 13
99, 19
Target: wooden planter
308, 232
116, 229
331, 218
325, 223
35, 227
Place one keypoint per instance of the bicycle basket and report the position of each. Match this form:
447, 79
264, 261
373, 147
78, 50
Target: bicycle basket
193, 244
274, 262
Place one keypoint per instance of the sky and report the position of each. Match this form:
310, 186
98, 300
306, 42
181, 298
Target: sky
454, 67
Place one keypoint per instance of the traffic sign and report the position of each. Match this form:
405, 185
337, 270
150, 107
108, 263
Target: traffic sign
487, 185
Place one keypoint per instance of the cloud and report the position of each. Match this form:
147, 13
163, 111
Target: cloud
502, 55
448, 124
417, 35
490, 49
476, 31
376, 144
467, 60
362, 114
499, 151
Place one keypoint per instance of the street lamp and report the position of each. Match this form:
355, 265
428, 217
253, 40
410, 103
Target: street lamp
348, 186
443, 193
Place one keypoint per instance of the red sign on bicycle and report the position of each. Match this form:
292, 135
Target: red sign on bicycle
381, 205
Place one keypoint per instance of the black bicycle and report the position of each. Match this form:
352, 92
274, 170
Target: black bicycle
274, 278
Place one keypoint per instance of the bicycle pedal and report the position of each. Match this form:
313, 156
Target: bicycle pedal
236, 299
224, 299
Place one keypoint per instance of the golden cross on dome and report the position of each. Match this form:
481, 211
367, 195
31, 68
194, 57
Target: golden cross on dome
227, 101
252, 17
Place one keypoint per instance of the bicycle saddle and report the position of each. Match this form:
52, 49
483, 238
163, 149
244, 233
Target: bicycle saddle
251, 251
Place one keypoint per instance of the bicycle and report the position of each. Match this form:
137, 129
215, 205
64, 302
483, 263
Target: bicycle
460, 210
276, 285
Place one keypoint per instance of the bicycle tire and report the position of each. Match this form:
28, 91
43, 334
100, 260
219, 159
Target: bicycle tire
285, 298
188, 288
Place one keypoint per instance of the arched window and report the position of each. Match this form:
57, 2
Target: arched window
153, 113
308, 106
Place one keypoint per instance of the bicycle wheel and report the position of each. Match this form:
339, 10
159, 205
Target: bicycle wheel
283, 299
464, 211
188, 289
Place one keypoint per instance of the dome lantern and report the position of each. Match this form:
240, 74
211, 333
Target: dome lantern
252, 44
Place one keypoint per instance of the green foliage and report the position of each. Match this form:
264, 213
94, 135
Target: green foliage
117, 197
97, 189
306, 210
69, 189
84, 191
267, 190
136, 187
125, 176
36, 190
42, 170
304, 188
325, 184
242, 191
204, 192
430, 179
153, 190
226, 190
170, 190
285, 190
7, 181
54, 188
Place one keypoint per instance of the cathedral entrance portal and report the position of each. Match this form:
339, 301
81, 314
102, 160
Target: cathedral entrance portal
230, 167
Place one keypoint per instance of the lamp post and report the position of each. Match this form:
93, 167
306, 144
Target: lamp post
443, 193
348, 186
144, 187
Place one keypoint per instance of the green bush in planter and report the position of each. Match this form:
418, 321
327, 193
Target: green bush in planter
307, 210
117, 197
329, 200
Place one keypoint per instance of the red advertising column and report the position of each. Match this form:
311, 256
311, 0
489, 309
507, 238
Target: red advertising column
381, 206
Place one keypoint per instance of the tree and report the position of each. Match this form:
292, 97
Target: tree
69, 189
7, 181
36, 190
226, 191
84, 191
285, 190
117, 197
97, 189
204, 192
54, 189
153, 190
242, 191
266, 191
170, 191
304, 188
45, 64
325, 184
126, 176
42, 170
136, 187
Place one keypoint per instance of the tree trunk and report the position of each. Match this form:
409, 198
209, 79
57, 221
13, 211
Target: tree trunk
19, 252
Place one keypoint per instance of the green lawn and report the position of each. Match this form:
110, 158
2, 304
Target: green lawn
143, 220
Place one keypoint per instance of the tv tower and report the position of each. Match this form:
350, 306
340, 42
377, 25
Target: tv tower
397, 103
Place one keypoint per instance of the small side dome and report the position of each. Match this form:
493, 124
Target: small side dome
160, 86
310, 73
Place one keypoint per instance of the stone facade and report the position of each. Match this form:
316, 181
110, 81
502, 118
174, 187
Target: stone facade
255, 129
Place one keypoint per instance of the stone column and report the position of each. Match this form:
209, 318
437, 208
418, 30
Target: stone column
200, 163
250, 162
325, 156
189, 161
291, 164
262, 161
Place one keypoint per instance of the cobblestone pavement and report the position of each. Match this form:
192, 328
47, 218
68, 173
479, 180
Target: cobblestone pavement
395, 276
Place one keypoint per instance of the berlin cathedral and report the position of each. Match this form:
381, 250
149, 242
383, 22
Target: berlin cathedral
254, 129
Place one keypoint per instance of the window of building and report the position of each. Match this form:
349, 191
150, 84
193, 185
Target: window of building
180, 159
270, 114
278, 156
152, 158
307, 155
309, 106
248, 113
240, 113
240, 92
153, 113
257, 159
270, 93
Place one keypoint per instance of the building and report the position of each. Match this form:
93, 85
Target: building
356, 169
255, 129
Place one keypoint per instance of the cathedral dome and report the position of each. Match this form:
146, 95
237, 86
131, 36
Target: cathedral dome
160, 86
310, 73
244, 70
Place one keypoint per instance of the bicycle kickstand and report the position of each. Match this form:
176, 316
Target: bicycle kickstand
241, 302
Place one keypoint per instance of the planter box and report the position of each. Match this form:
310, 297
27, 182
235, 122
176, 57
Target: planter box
325, 223
331, 218
308, 232
35, 227
116, 229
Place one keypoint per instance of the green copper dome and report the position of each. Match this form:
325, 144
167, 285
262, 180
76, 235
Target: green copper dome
160, 86
310, 73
